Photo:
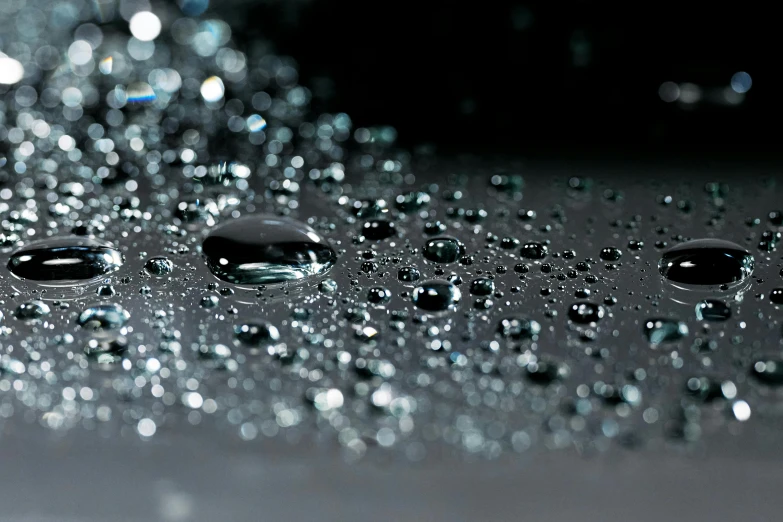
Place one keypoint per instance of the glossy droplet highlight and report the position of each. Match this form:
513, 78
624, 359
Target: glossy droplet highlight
436, 296
62, 261
706, 262
443, 250
712, 310
265, 249
103, 317
586, 313
660, 331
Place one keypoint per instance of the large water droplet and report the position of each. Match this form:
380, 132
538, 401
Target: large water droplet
443, 250
265, 249
257, 334
159, 266
103, 317
436, 296
32, 311
61, 261
659, 331
768, 371
706, 262
534, 250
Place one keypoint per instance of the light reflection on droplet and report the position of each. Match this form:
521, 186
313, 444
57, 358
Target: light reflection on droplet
212, 89
106, 65
140, 92
11, 71
145, 26
255, 123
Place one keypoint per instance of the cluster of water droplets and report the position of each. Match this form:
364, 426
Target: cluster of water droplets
183, 243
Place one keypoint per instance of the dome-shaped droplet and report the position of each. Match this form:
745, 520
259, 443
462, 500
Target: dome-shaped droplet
436, 296
660, 331
443, 250
408, 274
103, 317
32, 311
776, 296
265, 249
378, 229
768, 371
586, 313
534, 250
482, 286
64, 260
712, 310
378, 295
159, 266
611, 254
706, 262
519, 328
256, 334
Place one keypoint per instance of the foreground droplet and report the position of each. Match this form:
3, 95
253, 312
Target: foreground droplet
706, 262
32, 311
768, 371
436, 296
64, 260
159, 266
586, 313
519, 328
659, 331
712, 310
256, 334
103, 317
265, 249
443, 250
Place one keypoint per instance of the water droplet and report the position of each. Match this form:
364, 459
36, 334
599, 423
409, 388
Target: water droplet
436, 296
659, 331
534, 250
543, 371
61, 261
412, 201
768, 371
706, 262
197, 211
209, 301
378, 229
586, 313
264, 249
776, 296
611, 254
482, 286
103, 317
327, 286
378, 295
159, 266
712, 310
443, 250
519, 328
32, 311
257, 334
408, 274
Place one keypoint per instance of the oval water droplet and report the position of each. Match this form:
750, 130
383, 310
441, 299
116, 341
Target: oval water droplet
706, 262
519, 328
534, 250
660, 331
586, 313
482, 286
103, 317
436, 296
265, 249
158, 266
768, 371
378, 229
712, 310
32, 311
64, 261
257, 334
443, 250
408, 274
611, 254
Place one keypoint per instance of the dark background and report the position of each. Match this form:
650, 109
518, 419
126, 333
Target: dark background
535, 77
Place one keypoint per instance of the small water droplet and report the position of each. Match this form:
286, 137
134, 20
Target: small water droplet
443, 250
534, 250
436, 296
159, 266
776, 296
408, 274
611, 254
768, 371
62, 261
103, 317
257, 334
379, 229
519, 328
264, 249
482, 286
712, 310
660, 331
706, 262
586, 313
378, 295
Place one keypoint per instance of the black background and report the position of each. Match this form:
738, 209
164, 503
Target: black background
418, 66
